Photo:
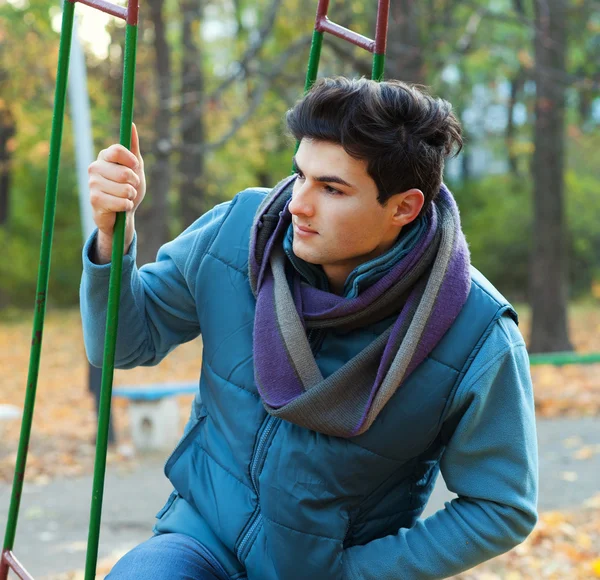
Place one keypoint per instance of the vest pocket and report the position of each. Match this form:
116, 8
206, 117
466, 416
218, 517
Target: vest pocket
186, 440
166, 507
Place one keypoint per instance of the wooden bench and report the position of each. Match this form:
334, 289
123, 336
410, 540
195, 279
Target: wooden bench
154, 413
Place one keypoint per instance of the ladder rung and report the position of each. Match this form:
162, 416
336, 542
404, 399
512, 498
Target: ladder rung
104, 6
323, 24
16, 566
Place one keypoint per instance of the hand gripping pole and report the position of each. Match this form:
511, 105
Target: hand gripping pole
8, 561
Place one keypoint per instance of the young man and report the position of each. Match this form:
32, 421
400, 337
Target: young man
349, 353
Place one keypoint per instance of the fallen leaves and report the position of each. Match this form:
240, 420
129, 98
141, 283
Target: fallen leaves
563, 546
64, 423
571, 390
587, 452
103, 567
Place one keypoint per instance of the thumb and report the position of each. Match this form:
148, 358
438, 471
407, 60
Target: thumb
135, 143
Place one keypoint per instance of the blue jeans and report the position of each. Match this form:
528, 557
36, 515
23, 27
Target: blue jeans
168, 557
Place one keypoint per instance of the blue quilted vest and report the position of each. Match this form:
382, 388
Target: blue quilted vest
274, 501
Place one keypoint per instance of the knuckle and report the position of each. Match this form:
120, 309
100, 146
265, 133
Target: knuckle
112, 153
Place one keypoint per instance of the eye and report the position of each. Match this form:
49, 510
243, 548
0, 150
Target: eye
332, 190
300, 174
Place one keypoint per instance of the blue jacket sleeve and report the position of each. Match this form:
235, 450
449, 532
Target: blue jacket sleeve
157, 310
490, 462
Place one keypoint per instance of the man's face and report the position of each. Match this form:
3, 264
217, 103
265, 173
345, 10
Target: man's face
338, 222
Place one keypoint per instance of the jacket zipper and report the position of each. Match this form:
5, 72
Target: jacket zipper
315, 339
255, 467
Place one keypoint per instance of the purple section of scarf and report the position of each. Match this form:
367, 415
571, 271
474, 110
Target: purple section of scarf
282, 225
258, 268
279, 383
454, 291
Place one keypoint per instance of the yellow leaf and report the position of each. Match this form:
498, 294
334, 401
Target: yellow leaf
553, 518
586, 452
596, 567
593, 502
569, 476
571, 442
584, 541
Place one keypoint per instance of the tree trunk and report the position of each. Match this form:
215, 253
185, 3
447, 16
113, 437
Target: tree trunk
192, 192
549, 282
153, 225
7, 131
404, 47
516, 85
586, 99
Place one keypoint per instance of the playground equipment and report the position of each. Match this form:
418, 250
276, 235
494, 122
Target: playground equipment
130, 15
323, 25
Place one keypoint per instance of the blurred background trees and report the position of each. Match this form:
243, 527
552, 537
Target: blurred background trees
214, 79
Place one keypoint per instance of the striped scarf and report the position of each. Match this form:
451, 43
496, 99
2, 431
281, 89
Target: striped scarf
426, 289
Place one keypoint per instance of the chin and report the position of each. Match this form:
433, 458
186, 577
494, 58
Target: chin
306, 255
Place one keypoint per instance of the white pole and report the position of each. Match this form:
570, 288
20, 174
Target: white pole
82, 129
84, 155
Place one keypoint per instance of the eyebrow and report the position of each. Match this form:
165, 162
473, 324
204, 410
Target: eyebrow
324, 178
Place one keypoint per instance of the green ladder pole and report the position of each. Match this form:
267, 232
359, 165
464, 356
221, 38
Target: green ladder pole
8, 561
376, 47
114, 293
323, 24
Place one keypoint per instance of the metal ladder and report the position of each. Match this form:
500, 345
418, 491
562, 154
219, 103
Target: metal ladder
8, 561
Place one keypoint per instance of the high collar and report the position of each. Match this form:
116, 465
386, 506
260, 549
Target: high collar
365, 274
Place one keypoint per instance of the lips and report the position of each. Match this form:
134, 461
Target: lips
304, 229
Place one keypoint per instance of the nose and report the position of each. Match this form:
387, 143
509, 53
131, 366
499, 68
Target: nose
302, 203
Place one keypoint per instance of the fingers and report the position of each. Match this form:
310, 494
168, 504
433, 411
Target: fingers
117, 182
112, 171
121, 155
124, 190
104, 203
135, 143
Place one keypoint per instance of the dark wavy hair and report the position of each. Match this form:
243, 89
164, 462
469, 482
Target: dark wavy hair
403, 133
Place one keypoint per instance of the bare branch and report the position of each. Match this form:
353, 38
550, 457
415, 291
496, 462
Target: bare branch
251, 52
464, 43
264, 84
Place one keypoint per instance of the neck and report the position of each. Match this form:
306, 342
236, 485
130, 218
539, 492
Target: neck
337, 276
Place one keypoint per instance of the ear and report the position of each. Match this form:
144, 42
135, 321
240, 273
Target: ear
406, 206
